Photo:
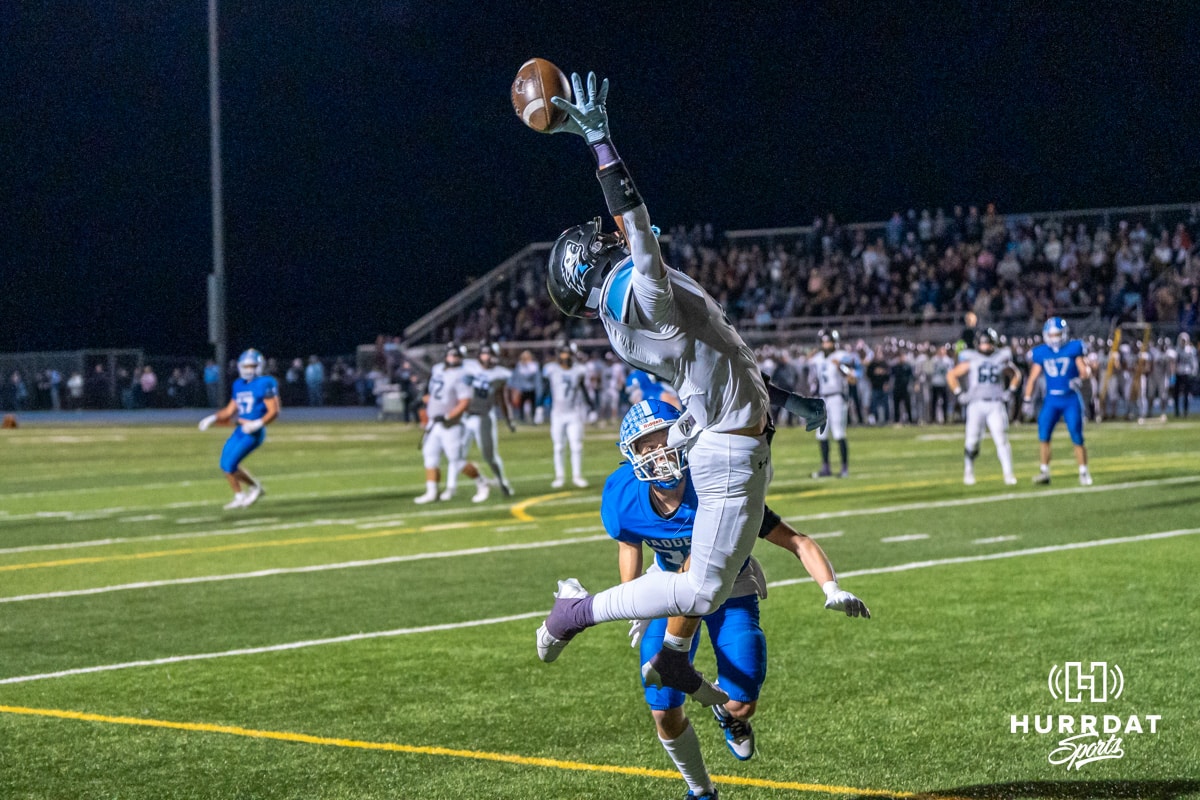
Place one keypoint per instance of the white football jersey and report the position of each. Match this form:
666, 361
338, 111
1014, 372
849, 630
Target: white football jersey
672, 328
830, 378
567, 387
486, 384
985, 379
447, 385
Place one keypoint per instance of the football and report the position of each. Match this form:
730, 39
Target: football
537, 81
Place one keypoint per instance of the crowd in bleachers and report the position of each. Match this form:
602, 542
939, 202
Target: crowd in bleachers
1008, 269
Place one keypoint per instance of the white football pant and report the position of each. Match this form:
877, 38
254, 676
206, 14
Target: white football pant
993, 414
439, 441
835, 415
566, 427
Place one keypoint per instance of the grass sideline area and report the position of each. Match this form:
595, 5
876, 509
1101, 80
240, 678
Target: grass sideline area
338, 641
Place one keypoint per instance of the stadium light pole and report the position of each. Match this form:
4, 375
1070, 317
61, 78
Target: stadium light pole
216, 280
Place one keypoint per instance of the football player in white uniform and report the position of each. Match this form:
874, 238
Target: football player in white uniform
570, 401
661, 321
446, 401
834, 373
992, 379
488, 405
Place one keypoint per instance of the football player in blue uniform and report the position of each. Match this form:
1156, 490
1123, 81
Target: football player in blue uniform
649, 500
1063, 361
641, 385
255, 404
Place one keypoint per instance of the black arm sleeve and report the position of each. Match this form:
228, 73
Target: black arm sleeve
770, 520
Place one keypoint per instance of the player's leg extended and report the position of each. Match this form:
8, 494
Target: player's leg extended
674, 729
431, 455
1073, 417
974, 432
997, 423
741, 650
237, 447
575, 439
558, 436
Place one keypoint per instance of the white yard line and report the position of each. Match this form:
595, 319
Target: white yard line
908, 537
265, 573
995, 539
534, 614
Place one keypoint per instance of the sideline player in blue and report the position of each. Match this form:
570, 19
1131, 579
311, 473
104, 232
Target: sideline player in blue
641, 385
1064, 362
255, 404
649, 500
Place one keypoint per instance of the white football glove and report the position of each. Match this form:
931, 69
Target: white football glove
587, 117
637, 629
837, 599
207, 422
251, 425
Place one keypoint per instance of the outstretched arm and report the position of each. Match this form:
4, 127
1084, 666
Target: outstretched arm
816, 563
587, 117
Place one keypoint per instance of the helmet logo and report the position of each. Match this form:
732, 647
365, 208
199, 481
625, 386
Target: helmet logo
574, 267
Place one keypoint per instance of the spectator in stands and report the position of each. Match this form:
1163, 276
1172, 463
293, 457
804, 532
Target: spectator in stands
879, 374
99, 394
902, 378
314, 379
148, 384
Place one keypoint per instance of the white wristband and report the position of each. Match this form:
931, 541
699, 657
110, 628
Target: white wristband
830, 588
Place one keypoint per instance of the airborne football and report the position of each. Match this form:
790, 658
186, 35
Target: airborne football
537, 81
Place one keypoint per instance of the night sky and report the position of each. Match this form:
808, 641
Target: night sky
373, 162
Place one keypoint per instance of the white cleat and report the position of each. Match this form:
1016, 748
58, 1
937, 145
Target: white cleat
428, 497
1085, 479
238, 501
968, 478
252, 495
580, 482
557, 483
1010, 480
447, 494
739, 735
548, 645
481, 493
1042, 477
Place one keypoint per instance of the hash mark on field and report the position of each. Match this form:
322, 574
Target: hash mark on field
194, 520
1145, 537
826, 535
143, 518
428, 750
996, 539
908, 537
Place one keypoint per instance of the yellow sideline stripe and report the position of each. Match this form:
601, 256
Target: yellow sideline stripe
225, 548
478, 755
518, 509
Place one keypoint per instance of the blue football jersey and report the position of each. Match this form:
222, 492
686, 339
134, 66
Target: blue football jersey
1059, 365
251, 396
629, 517
651, 389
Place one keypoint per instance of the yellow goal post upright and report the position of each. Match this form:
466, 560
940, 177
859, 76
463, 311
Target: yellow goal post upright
1127, 332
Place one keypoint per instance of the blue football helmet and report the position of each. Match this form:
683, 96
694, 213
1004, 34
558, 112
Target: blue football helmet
250, 364
664, 465
1056, 332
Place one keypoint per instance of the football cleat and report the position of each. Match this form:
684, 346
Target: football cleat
252, 494
1042, 478
824, 472
428, 497
711, 794
968, 478
1010, 480
561, 619
845, 473
580, 482
447, 493
739, 735
673, 669
1085, 479
481, 493
238, 501
557, 483
506, 487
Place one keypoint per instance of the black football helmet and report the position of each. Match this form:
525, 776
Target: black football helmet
579, 262
988, 337
455, 353
829, 340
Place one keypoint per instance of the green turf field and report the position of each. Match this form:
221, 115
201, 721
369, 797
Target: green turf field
337, 641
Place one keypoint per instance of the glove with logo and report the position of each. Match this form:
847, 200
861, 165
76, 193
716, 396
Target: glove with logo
587, 117
837, 599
